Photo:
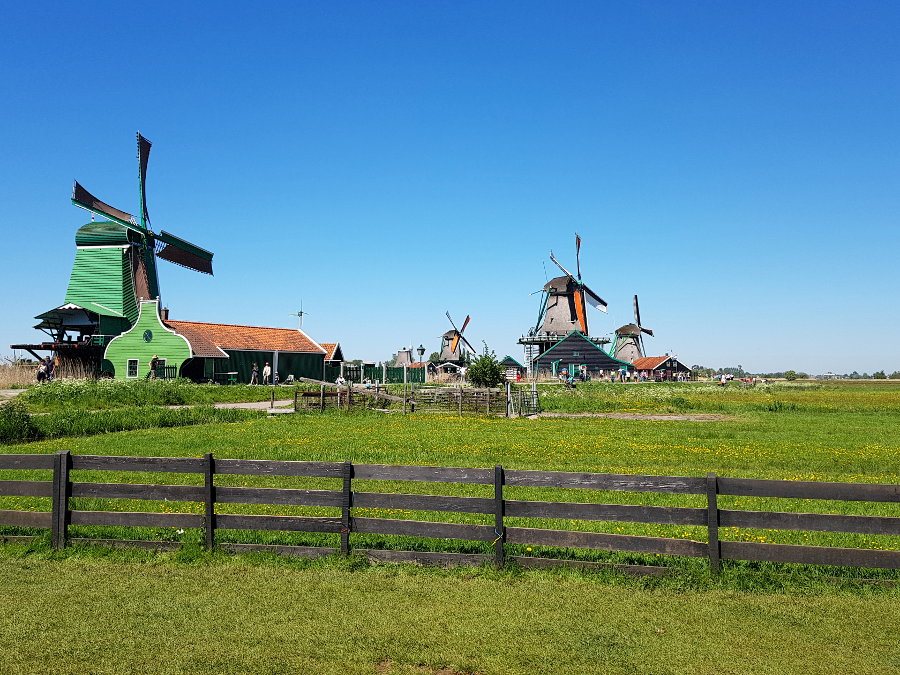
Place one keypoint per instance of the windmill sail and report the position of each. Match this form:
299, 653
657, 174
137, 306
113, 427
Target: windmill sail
184, 253
84, 199
143, 158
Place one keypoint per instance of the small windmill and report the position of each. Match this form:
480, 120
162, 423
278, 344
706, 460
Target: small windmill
299, 314
629, 343
147, 244
565, 300
450, 342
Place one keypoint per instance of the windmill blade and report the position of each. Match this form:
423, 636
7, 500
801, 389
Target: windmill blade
578, 255
184, 253
579, 311
560, 266
637, 312
451, 322
465, 323
454, 343
84, 199
593, 299
646, 330
143, 157
468, 344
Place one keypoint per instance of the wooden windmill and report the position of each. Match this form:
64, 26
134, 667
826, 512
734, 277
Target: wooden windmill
452, 349
146, 245
566, 299
629, 342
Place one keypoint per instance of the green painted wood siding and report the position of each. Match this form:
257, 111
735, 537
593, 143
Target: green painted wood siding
103, 276
163, 342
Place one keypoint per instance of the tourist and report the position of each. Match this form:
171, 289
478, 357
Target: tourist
267, 373
254, 374
340, 381
154, 363
49, 368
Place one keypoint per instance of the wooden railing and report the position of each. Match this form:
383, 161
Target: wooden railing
61, 489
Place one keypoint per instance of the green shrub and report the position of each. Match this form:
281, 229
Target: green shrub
485, 371
16, 425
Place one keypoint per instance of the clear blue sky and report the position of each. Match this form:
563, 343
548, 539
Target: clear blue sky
735, 164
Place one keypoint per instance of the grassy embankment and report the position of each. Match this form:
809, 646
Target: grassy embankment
812, 432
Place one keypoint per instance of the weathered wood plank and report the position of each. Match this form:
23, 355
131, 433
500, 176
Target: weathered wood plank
26, 488
753, 487
426, 558
813, 555
813, 522
606, 542
136, 519
671, 515
280, 523
418, 528
279, 496
274, 467
178, 493
606, 481
439, 474
27, 461
291, 551
26, 518
632, 570
379, 500
153, 464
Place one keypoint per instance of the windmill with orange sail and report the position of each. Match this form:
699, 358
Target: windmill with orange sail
566, 299
453, 344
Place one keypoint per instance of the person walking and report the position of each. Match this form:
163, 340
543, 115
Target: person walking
48, 362
154, 364
254, 374
267, 373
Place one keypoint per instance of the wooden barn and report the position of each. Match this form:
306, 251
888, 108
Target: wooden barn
661, 367
214, 352
512, 368
574, 351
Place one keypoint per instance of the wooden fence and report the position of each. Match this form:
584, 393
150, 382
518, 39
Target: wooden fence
61, 489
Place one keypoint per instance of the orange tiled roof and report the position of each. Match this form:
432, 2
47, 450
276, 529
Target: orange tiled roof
329, 349
209, 339
649, 362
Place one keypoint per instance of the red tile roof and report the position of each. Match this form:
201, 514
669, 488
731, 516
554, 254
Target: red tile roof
209, 339
329, 347
649, 362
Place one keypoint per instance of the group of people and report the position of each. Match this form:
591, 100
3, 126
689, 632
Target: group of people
45, 370
266, 373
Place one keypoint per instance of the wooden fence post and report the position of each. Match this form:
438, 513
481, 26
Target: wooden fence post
508, 398
459, 401
61, 491
322, 398
346, 503
209, 523
272, 401
712, 521
296, 397
499, 531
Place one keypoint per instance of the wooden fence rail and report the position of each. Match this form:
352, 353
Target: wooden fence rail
61, 489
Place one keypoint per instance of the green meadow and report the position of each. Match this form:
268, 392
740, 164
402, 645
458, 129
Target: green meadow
193, 611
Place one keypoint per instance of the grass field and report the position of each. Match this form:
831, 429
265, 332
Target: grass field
217, 615
90, 609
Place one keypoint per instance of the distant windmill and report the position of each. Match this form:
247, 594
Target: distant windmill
147, 245
299, 314
565, 300
629, 343
450, 342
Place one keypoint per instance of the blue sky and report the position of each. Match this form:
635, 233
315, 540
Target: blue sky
735, 165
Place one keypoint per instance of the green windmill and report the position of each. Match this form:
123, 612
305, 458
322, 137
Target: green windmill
148, 243
114, 269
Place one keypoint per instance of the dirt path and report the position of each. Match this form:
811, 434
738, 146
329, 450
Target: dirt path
661, 417
7, 394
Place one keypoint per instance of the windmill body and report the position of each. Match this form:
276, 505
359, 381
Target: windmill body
564, 308
629, 342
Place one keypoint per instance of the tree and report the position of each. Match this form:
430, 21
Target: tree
485, 370
879, 375
895, 375
790, 375
435, 357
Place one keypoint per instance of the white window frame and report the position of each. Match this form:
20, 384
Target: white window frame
137, 366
